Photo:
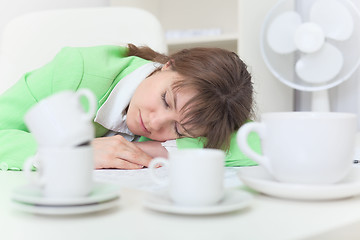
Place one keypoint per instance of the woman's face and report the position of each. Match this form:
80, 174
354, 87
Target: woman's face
154, 109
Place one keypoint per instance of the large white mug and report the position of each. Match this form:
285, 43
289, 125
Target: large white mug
62, 172
303, 147
196, 176
60, 119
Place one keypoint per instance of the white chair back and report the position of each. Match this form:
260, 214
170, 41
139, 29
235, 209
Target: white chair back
31, 40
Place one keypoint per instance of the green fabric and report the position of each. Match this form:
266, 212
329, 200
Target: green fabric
234, 156
96, 68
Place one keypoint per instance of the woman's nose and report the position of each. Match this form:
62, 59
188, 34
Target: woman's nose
159, 121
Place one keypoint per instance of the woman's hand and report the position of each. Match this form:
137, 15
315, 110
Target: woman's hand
117, 152
153, 148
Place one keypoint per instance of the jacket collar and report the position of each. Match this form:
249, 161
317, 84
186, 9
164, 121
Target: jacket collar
110, 114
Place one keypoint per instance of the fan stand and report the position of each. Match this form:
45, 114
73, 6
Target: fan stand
320, 101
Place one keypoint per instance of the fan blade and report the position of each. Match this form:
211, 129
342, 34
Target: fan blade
309, 37
321, 66
334, 18
280, 35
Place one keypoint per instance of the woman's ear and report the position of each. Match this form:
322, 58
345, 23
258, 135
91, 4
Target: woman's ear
167, 65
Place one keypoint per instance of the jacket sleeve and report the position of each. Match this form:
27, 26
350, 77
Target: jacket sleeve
16, 143
234, 156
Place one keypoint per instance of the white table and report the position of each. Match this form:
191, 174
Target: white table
266, 219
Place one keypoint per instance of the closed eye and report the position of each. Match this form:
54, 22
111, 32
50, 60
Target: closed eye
163, 97
167, 105
179, 135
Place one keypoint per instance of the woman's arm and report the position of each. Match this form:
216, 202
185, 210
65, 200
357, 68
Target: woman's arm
16, 143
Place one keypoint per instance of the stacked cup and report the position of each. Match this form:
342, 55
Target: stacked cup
63, 131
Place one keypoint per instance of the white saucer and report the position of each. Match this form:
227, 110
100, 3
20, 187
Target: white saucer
65, 210
32, 194
259, 179
233, 200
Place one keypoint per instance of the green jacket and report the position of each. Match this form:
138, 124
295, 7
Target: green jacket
96, 68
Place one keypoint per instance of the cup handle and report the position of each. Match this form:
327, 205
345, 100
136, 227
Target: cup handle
91, 100
153, 166
27, 168
242, 137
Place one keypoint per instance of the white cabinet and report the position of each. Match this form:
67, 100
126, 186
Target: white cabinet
231, 24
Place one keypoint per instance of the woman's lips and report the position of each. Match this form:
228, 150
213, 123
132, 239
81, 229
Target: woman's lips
143, 125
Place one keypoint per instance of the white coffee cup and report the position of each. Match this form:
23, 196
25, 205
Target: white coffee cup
60, 120
63, 172
303, 147
196, 176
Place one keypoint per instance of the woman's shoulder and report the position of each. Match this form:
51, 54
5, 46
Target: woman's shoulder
104, 60
94, 53
104, 50
104, 57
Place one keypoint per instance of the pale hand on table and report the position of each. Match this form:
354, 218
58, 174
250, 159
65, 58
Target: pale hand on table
117, 152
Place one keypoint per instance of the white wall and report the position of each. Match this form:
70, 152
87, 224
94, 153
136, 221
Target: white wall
270, 94
12, 8
346, 97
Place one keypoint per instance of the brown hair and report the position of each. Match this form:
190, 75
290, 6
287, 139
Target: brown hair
225, 93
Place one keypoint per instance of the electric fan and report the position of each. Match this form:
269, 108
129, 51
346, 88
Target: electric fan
312, 45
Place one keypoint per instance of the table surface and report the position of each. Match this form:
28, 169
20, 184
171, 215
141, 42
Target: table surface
266, 218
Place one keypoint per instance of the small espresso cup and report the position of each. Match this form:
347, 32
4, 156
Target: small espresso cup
196, 176
60, 119
303, 147
62, 172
